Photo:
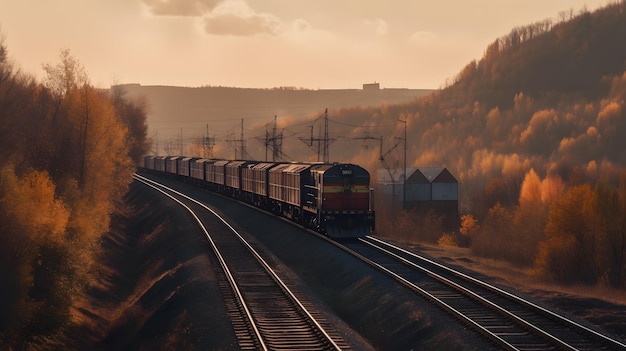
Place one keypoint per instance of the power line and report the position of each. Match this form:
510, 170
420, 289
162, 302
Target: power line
239, 144
323, 143
273, 141
350, 125
208, 143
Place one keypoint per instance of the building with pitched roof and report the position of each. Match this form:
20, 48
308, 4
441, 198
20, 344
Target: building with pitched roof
428, 190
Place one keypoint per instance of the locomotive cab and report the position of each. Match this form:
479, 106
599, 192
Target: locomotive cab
339, 197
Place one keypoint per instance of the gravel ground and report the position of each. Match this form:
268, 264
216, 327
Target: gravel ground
602, 308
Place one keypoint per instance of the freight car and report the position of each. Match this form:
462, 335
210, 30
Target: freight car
333, 199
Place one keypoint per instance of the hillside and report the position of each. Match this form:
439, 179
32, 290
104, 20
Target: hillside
532, 131
552, 100
222, 108
547, 96
68, 153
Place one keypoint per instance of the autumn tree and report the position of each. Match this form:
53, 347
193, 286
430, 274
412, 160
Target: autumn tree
606, 216
529, 219
32, 220
586, 236
469, 229
95, 164
133, 114
69, 88
16, 104
618, 276
567, 255
67, 161
493, 237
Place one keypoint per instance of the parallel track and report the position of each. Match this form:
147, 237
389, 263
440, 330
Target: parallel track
510, 321
265, 313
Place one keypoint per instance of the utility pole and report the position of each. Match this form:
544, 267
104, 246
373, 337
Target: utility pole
208, 143
383, 162
326, 139
273, 140
404, 181
323, 143
243, 142
239, 144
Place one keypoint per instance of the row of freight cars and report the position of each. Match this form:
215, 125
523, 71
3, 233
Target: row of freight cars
334, 199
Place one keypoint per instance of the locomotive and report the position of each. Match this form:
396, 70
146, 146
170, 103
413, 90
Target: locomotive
331, 198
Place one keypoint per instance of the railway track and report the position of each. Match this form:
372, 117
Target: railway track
265, 313
508, 320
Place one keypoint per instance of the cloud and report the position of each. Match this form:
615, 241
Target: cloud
380, 26
238, 19
302, 35
185, 8
423, 37
301, 25
219, 17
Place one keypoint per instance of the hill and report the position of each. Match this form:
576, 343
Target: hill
172, 109
532, 131
548, 96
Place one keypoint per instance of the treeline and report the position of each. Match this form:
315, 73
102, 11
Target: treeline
68, 152
570, 234
533, 132
542, 58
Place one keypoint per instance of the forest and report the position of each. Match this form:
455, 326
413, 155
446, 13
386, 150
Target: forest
68, 152
533, 133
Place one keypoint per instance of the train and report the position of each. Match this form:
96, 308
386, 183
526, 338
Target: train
334, 199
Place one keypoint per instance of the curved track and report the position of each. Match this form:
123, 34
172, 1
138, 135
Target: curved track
510, 321
265, 313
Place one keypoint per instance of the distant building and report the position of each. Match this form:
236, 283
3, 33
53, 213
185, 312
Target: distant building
371, 87
428, 189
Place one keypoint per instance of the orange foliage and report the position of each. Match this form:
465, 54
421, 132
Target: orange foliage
493, 237
66, 155
567, 253
469, 225
30, 204
31, 217
530, 193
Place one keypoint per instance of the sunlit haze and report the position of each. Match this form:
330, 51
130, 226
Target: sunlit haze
266, 43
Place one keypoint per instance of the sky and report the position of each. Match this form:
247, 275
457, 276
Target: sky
313, 44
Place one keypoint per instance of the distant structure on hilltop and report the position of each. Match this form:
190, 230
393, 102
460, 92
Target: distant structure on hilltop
370, 87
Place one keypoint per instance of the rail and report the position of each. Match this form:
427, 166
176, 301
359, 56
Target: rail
275, 321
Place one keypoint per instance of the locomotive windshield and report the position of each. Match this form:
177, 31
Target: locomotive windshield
347, 182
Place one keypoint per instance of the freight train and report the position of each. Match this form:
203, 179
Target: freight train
331, 198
